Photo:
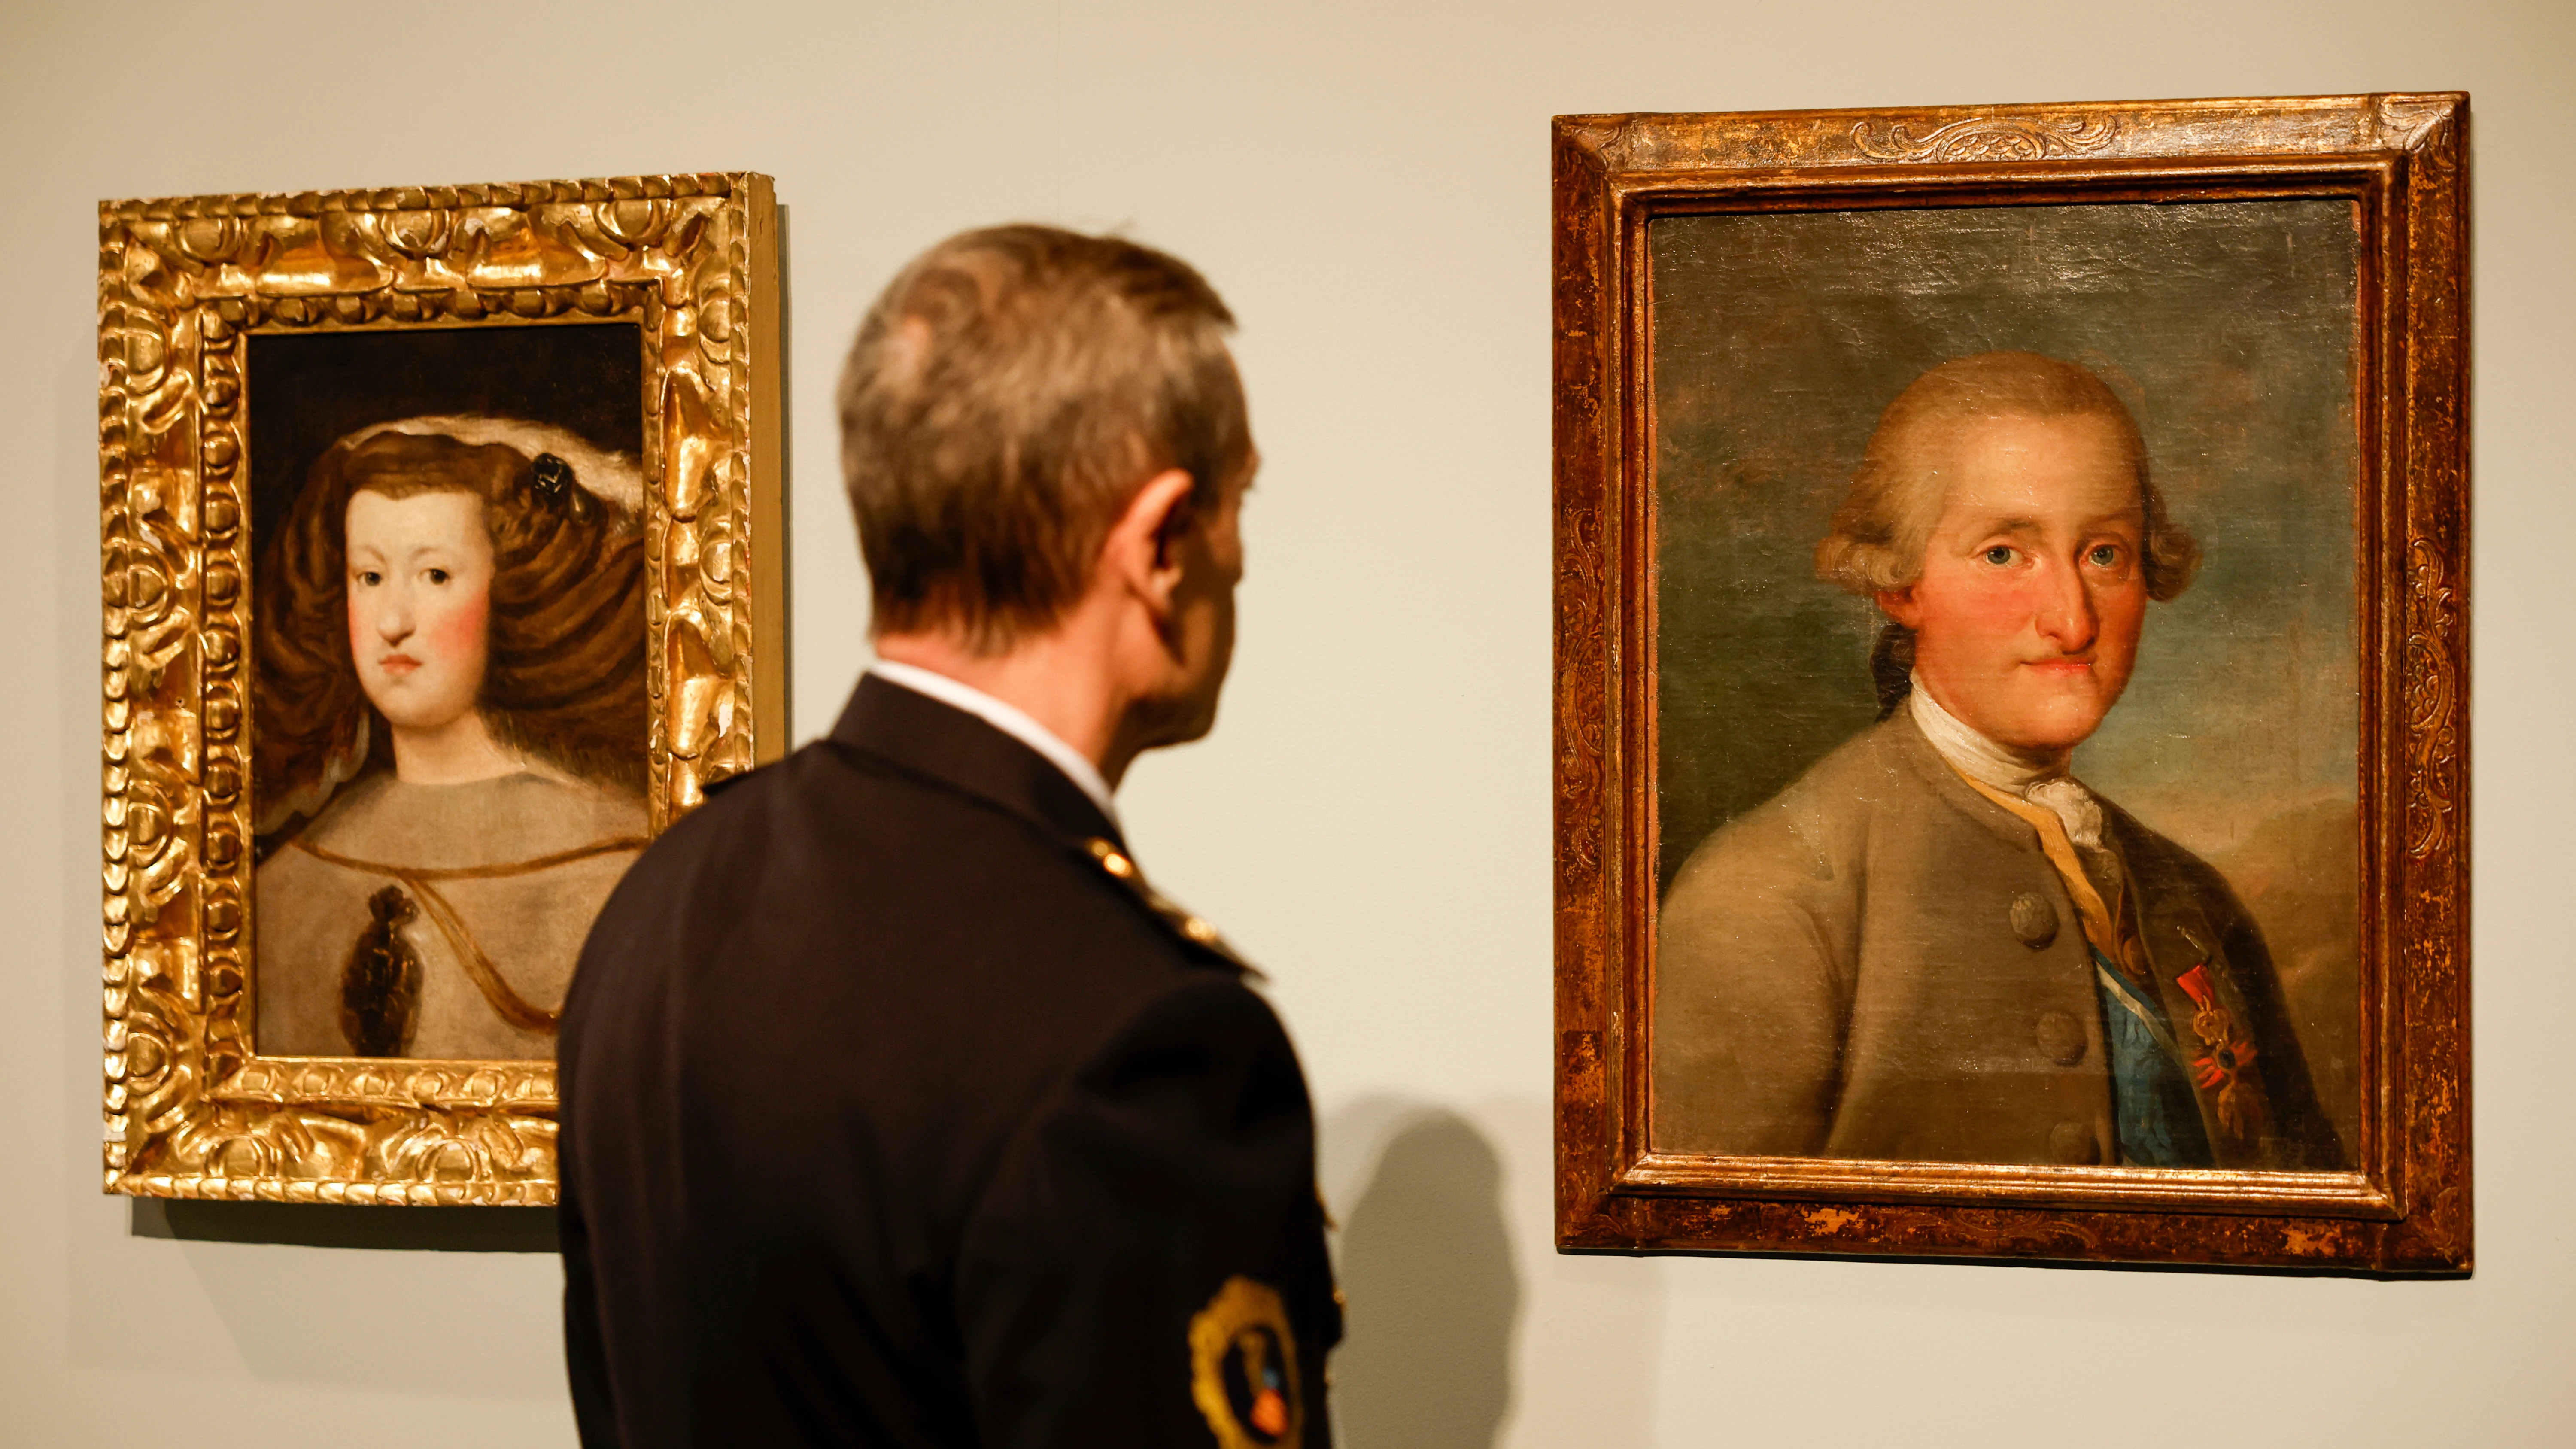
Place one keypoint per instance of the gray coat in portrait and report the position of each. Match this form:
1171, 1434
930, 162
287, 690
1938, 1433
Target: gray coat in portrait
1880, 962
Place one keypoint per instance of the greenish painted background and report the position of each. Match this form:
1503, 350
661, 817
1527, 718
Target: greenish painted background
2228, 327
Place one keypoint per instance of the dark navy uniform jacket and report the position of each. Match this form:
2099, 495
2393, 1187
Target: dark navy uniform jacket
896, 1111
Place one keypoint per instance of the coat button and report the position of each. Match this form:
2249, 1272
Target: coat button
2060, 1038
2034, 920
2072, 1144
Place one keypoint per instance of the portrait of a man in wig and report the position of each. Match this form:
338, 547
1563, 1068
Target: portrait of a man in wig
1939, 943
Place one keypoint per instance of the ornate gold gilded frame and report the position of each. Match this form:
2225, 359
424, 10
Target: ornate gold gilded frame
190, 1109
2401, 161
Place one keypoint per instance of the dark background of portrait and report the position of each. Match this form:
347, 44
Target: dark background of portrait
2229, 328
307, 390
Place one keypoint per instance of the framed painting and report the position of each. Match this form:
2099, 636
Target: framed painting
2011, 665
442, 542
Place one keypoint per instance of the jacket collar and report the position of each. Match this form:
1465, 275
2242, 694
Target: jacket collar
953, 749
1902, 737
2172, 915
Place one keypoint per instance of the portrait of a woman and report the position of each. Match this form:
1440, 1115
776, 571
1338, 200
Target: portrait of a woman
449, 737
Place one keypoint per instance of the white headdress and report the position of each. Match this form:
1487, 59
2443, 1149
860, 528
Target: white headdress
614, 478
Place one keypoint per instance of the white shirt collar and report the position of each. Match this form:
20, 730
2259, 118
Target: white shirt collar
1971, 753
1009, 719
1983, 760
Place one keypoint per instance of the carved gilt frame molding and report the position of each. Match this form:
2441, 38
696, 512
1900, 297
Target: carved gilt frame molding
2401, 159
190, 1109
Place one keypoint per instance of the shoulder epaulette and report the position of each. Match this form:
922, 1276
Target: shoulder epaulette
1122, 868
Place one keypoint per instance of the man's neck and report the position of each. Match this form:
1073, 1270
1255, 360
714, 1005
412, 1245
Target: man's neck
1055, 678
1010, 719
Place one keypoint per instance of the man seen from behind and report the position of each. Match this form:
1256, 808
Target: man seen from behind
897, 1108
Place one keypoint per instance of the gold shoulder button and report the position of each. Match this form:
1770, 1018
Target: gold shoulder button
1112, 859
1121, 867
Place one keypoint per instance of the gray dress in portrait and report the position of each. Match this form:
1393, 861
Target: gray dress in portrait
493, 884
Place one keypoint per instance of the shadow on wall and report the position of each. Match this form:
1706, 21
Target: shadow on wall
1427, 1269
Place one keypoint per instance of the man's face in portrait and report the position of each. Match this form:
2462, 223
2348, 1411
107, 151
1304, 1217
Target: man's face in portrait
2027, 611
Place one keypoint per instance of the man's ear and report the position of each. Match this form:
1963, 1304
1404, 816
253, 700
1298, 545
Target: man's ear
1143, 550
1900, 605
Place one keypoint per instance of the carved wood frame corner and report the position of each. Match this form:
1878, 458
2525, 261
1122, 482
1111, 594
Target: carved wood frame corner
191, 1110
2401, 158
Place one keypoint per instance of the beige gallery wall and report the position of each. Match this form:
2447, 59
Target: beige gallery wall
1368, 184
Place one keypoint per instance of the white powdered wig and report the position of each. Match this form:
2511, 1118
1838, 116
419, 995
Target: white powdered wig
613, 478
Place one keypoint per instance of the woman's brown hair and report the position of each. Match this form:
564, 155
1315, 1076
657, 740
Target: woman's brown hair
565, 678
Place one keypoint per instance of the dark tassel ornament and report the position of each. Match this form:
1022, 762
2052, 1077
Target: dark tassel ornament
380, 987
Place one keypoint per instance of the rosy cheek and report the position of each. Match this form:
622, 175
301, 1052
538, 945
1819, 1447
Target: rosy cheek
2123, 612
456, 632
1997, 604
2002, 609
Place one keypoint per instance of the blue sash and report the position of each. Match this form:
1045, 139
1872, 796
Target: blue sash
2158, 1117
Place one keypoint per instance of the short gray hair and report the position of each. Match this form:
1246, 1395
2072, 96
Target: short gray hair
1004, 401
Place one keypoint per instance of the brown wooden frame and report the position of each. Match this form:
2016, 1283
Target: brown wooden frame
2402, 158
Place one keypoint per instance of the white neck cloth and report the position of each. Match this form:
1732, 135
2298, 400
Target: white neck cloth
2043, 783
